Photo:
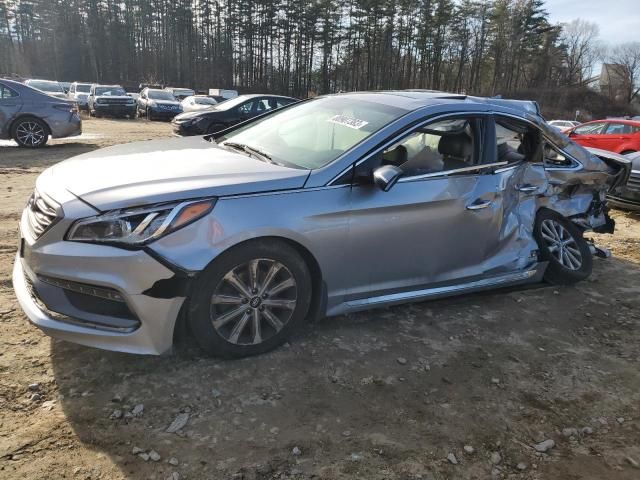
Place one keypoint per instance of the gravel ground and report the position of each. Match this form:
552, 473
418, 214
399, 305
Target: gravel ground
535, 383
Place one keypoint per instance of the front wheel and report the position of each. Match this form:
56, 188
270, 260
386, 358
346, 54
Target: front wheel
250, 300
562, 245
30, 132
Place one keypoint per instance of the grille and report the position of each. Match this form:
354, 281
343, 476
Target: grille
41, 213
634, 180
113, 101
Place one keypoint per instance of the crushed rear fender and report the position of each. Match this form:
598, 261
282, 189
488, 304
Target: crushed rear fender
579, 192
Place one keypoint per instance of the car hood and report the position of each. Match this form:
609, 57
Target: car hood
165, 170
195, 113
164, 102
113, 97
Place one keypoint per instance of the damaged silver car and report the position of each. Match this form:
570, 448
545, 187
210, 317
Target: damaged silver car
333, 205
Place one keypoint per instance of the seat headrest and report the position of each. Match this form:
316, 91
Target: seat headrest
457, 145
396, 157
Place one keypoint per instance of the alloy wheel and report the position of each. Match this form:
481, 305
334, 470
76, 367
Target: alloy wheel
30, 133
253, 302
561, 244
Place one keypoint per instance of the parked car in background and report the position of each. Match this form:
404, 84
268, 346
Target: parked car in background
196, 103
228, 113
134, 95
110, 100
30, 116
221, 92
180, 93
47, 86
614, 135
563, 125
79, 93
330, 206
158, 104
628, 197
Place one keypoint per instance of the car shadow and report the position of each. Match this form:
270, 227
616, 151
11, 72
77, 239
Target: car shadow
391, 385
12, 156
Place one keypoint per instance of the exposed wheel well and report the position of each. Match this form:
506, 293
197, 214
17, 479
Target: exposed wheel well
626, 152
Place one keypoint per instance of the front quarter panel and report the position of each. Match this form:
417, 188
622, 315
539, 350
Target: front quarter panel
315, 219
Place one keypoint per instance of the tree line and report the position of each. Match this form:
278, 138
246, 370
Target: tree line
301, 47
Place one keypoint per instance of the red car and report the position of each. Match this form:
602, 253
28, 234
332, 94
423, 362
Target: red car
620, 136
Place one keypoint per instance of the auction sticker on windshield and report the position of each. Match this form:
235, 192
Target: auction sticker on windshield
348, 121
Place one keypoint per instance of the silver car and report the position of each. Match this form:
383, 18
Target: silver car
50, 87
332, 205
30, 116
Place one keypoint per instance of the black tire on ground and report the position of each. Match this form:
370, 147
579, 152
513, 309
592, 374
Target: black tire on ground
148, 115
202, 308
30, 132
552, 230
215, 127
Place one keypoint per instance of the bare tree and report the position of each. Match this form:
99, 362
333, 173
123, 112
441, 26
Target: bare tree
624, 64
580, 40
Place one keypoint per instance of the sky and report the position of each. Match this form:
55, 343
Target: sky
619, 20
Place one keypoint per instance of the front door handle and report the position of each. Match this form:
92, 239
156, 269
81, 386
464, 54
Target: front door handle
526, 188
478, 206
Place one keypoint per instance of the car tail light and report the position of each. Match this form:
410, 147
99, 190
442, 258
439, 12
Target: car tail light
65, 107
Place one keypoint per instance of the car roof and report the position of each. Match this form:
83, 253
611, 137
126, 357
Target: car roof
255, 95
415, 99
616, 120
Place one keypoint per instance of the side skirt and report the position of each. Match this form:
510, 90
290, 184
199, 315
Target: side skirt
532, 275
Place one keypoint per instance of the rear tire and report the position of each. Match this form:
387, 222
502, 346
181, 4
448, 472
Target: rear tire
250, 299
562, 245
30, 132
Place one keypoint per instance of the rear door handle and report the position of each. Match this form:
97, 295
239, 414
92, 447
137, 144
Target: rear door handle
478, 206
526, 188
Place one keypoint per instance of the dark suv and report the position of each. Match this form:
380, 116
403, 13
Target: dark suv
158, 104
110, 100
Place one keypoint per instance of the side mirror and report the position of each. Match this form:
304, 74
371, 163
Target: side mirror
386, 177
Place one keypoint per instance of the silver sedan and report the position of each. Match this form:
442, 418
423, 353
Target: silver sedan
333, 205
30, 116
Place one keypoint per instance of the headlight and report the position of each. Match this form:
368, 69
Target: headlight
139, 226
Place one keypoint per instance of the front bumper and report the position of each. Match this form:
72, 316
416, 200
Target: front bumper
147, 325
163, 114
186, 129
115, 110
626, 202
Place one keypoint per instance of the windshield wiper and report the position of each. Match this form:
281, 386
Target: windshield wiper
251, 151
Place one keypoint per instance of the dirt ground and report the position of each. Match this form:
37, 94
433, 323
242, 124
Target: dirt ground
385, 394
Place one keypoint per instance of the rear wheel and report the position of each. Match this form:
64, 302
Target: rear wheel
250, 300
30, 132
562, 245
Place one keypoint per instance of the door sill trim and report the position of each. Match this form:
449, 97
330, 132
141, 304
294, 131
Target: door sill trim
532, 274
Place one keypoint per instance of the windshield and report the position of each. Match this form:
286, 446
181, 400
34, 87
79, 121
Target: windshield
110, 91
83, 87
160, 95
314, 133
46, 86
205, 101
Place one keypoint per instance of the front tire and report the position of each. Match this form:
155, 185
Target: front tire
30, 132
562, 245
250, 299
